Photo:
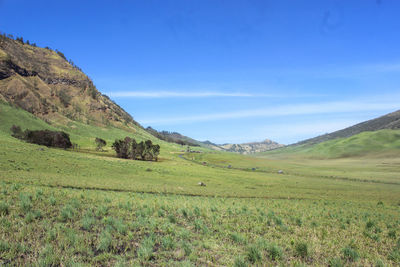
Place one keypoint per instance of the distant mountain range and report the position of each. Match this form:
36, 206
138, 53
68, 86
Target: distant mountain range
254, 147
246, 148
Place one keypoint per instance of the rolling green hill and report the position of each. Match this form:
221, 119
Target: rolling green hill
389, 121
379, 143
361, 144
92, 209
81, 133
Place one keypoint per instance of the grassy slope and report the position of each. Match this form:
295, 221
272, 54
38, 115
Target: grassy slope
80, 133
52, 195
376, 143
359, 145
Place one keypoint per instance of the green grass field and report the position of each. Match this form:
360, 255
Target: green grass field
73, 208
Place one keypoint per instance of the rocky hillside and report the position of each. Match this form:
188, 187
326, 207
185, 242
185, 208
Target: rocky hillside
249, 148
389, 121
43, 82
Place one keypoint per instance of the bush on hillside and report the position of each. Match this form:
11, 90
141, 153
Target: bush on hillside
100, 143
43, 137
128, 148
16, 132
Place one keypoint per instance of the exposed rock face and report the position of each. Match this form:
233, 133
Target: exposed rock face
44, 83
254, 147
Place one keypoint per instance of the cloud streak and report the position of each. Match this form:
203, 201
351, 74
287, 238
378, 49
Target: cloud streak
171, 94
293, 132
175, 94
278, 111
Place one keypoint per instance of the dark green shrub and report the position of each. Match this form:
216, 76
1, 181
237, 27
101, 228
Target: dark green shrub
145, 251
275, 252
26, 202
240, 262
168, 243
100, 143
392, 234
47, 138
335, 262
104, 242
67, 213
370, 224
4, 246
238, 238
4, 208
171, 218
16, 132
88, 221
302, 249
350, 253
395, 255
253, 254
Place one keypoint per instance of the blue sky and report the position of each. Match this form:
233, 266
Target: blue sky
229, 71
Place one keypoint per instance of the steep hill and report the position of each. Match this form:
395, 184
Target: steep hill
388, 121
43, 82
377, 144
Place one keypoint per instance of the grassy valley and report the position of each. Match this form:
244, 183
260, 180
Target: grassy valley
90, 208
331, 201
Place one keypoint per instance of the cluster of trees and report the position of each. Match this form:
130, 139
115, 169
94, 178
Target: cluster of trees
18, 39
171, 137
21, 40
128, 148
42, 137
61, 54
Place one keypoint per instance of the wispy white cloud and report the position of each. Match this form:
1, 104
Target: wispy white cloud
176, 94
169, 94
282, 110
284, 133
293, 132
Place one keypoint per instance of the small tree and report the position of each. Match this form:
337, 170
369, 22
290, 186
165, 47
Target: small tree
156, 151
117, 147
148, 150
121, 147
100, 143
141, 150
134, 152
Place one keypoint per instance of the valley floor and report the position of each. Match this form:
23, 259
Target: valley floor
70, 208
